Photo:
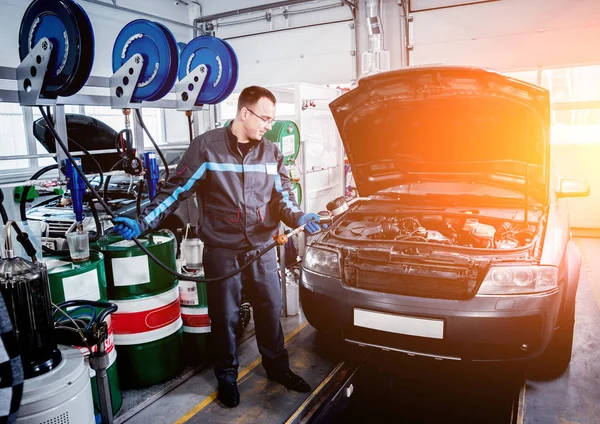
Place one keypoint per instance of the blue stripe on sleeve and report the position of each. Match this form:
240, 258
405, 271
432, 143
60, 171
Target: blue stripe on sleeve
221, 167
284, 194
173, 197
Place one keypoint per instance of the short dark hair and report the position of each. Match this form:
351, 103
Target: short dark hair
250, 95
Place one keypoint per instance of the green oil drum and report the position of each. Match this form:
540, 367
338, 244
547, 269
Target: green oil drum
130, 273
147, 326
76, 280
287, 137
86, 281
194, 313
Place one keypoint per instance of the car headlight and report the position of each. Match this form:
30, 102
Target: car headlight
519, 280
324, 262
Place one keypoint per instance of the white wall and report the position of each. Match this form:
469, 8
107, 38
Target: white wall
106, 23
580, 161
507, 34
319, 54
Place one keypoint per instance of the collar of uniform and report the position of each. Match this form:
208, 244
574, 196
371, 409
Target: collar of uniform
233, 140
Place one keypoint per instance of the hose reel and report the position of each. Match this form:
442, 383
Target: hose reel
144, 60
56, 48
208, 72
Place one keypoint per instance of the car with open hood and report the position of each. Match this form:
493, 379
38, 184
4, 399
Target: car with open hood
459, 247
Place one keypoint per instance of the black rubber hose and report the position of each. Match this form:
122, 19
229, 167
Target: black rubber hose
107, 182
136, 241
83, 149
138, 199
2, 209
190, 127
122, 151
160, 153
3, 214
97, 221
35, 176
105, 190
107, 307
23, 238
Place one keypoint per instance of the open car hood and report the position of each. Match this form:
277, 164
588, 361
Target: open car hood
444, 124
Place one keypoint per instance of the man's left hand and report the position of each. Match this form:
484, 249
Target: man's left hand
311, 222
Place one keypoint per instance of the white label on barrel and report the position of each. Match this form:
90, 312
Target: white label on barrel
123, 243
130, 271
55, 263
288, 145
82, 286
188, 293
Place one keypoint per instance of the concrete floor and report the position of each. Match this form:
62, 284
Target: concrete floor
572, 398
262, 401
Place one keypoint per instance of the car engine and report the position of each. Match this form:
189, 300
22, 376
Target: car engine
492, 233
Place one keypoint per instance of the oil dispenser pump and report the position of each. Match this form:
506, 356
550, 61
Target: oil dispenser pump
77, 188
152, 173
131, 163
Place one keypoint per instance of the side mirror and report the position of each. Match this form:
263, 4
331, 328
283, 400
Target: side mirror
573, 188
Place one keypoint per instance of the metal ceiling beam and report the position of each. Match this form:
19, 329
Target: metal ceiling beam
138, 12
252, 9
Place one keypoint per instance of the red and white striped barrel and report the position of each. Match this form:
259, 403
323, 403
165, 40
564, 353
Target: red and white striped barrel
195, 320
147, 319
146, 331
194, 312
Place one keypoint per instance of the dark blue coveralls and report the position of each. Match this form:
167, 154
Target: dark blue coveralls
241, 201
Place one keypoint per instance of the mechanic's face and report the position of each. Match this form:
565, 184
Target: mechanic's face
258, 119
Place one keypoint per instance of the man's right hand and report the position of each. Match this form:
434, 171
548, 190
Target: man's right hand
127, 227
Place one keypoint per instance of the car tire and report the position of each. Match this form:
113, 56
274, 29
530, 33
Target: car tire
555, 360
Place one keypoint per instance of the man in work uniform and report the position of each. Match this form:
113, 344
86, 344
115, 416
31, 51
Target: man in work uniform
243, 192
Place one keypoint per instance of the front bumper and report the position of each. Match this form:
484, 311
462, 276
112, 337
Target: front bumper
487, 328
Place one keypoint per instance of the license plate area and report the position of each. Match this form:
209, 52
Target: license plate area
399, 324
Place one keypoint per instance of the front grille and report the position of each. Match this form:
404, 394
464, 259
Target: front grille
59, 228
454, 283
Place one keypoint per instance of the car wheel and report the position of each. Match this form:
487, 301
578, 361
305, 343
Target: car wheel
556, 358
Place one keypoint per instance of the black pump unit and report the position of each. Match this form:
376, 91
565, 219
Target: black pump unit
25, 288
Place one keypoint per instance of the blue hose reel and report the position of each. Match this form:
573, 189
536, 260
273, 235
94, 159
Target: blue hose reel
163, 59
56, 47
221, 63
64, 31
158, 49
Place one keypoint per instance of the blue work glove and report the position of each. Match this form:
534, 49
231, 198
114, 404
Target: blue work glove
312, 222
127, 227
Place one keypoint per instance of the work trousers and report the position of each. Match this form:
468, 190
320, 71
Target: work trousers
261, 285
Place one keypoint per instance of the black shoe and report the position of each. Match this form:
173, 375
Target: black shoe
228, 394
291, 381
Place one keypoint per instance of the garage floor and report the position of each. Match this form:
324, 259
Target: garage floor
575, 396
421, 387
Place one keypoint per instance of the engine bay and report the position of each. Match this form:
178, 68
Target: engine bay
463, 231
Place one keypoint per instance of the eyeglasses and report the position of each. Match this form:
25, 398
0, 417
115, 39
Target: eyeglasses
266, 121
